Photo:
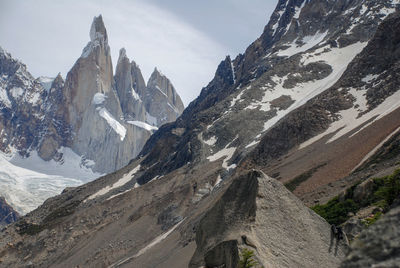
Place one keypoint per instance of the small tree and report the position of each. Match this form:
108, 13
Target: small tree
246, 259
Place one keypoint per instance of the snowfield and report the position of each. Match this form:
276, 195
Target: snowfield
26, 183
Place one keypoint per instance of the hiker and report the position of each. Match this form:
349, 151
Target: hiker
334, 230
194, 187
339, 233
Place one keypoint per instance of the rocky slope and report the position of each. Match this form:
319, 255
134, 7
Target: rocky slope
288, 106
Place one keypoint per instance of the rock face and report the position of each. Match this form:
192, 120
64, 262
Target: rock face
21, 106
129, 83
93, 108
379, 245
161, 99
7, 214
262, 215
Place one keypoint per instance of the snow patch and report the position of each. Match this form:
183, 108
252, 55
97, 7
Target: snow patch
387, 11
309, 42
350, 120
17, 92
114, 124
157, 240
135, 95
211, 141
218, 181
142, 125
238, 97
233, 72
99, 98
298, 10
370, 78
121, 182
337, 58
373, 151
46, 82
255, 142
227, 153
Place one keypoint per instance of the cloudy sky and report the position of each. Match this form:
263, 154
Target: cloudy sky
185, 39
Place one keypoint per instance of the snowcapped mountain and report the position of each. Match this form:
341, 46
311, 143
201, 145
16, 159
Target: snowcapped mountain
93, 122
309, 103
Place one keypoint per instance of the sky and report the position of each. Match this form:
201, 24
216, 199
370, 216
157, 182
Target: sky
184, 39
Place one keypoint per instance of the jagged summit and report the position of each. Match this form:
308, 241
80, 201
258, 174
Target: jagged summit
98, 30
160, 90
98, 38
122, 54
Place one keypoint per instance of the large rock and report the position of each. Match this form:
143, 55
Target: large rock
262, 215
363, 190
377, 246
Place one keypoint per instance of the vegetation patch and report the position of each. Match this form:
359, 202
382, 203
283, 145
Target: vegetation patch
247, 259
383, 194
24, 227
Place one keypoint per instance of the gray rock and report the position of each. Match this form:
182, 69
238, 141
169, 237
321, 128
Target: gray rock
353, 228
161, 99
283, 231
128, 84
225, 254
377, 246
363, 190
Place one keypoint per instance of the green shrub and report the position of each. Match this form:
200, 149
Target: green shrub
246, 259
335, 211
388, 190
385, 191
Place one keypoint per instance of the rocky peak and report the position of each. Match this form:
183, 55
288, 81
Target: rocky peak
98, 37
58, 80
161, 99
126, 86
21, 103
98, 30
138, 82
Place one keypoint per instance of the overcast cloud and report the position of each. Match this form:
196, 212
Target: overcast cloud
185, 39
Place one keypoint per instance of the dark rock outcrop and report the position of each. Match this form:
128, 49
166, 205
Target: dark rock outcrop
7, 214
